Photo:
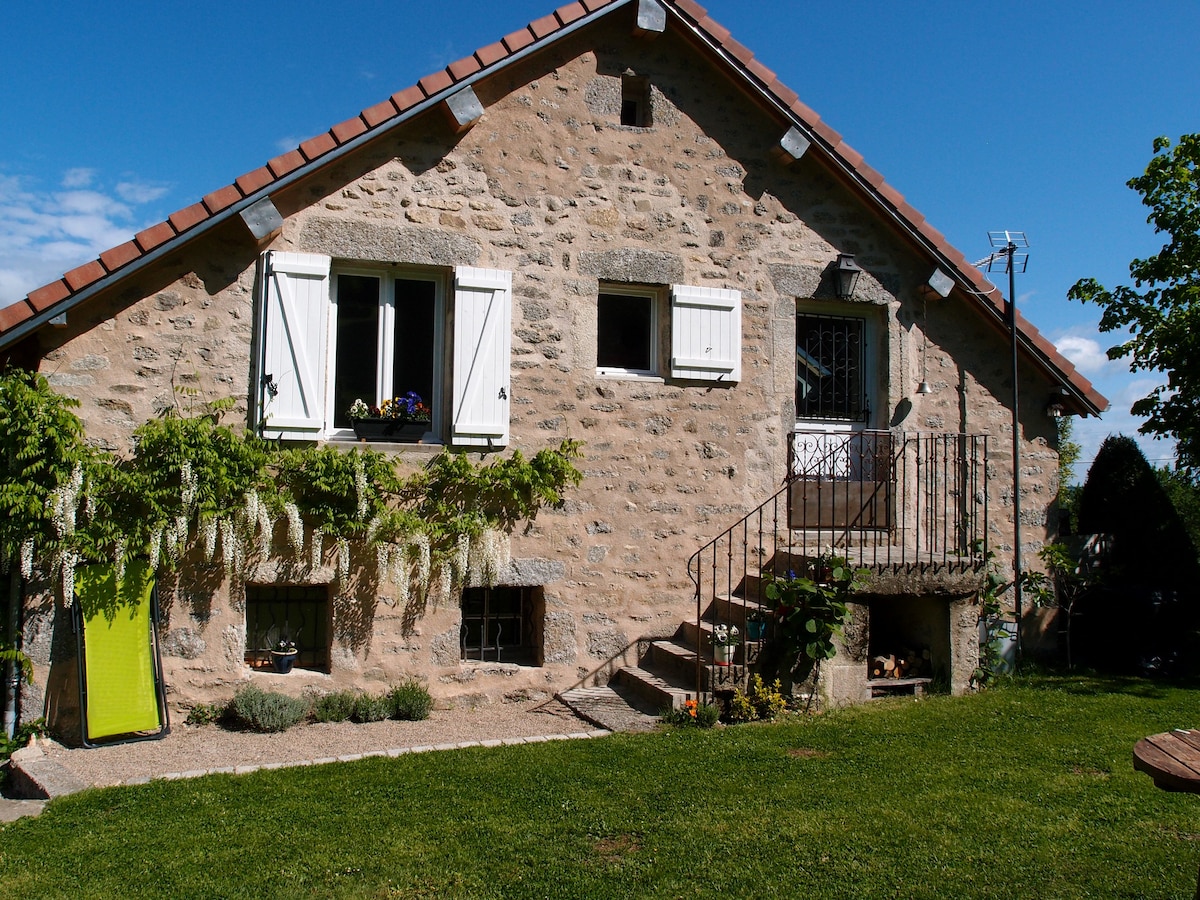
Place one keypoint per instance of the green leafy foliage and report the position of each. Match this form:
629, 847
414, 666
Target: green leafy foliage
1161, 311
758, 701
206, 713
808, 615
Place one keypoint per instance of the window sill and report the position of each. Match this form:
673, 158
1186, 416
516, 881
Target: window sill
349, 442
644, 377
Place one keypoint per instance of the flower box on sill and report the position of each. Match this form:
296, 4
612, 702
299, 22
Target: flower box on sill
395, 430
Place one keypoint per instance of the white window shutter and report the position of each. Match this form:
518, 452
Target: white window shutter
291, 395
482, 347
706, 333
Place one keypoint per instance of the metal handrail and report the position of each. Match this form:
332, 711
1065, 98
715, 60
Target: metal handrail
888, 501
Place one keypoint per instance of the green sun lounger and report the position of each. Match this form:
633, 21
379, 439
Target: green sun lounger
121, 692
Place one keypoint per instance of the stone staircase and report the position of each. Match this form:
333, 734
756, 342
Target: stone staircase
665, 675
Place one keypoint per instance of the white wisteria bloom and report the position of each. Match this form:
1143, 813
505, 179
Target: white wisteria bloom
360, 486
209, 527
295, 528
187, 484
343, 560
462, 557
27, 558
118, 558
381, 560
68, 577
156, 537
266, 529
228, 539
317, 549
424, 560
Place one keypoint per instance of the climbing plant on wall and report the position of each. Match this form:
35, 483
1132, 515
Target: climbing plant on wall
193, 484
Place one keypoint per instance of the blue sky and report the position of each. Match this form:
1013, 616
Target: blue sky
1026, 116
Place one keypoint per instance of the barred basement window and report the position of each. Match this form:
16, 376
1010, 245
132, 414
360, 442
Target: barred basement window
503, 624
294, 612
829, 368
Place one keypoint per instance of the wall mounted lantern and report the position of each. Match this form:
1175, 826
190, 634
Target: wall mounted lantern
847, 275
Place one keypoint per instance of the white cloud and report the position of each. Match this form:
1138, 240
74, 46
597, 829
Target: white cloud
287, 144
43, 234
77, 178
133, 192
1084, 353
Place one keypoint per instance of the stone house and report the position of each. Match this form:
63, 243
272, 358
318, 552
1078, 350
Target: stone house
616, 225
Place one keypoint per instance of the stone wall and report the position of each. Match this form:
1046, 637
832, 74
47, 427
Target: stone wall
550, 186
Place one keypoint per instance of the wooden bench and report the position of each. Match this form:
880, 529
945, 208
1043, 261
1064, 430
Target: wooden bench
1172, 759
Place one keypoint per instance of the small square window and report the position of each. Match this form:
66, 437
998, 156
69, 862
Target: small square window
635, 101
626, 333
502, 624
298, 613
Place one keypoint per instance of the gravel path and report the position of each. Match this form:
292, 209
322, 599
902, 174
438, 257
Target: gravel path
191, 750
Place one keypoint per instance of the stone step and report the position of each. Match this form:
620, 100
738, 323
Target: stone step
610, 708
652, 690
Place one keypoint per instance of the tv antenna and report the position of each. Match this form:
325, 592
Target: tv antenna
1010, 253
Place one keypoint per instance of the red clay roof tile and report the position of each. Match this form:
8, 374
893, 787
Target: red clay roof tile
907, 210
120, 255
693, 9
343, 132
805, 113
872, 177
715, 29
220, 199
518, 40
593, 5
544, 26
761, 72
13, 315
379, 113
890, 194
437, 81
569, 13
286, 162
49, 294
935, 236
461, 68
849, 154
490, 54
81, 276
826, 133
183, 219
738, 51
318, 146
253, 181
151, 237
408, 98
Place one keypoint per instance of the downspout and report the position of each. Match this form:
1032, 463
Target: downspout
12, 670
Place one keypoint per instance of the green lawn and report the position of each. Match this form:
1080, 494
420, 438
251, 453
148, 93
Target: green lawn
1021, 792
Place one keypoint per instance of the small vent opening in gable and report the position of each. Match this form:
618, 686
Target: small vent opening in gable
635, 101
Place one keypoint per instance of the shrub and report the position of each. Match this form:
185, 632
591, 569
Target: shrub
371, 708
335, 707
410, 701
739, 708
267, 711
206, 713
768, 701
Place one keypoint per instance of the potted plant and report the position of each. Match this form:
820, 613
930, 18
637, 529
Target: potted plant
402, 419
725, 639
283, 655
756, 624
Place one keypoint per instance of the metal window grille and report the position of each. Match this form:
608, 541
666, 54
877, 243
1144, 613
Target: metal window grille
497, 624
829, 368
298, 613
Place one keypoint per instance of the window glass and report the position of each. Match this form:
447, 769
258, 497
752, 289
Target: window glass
356, 357
501, 624
413, 369
829, 368
625, 333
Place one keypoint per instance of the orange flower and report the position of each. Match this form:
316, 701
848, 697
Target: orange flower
690, 706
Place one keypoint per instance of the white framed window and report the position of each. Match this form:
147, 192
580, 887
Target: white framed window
388, 337
326, 336
627, 330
